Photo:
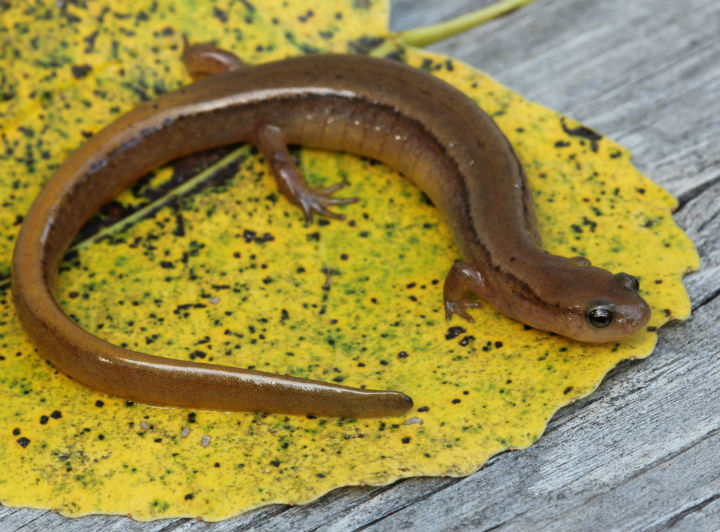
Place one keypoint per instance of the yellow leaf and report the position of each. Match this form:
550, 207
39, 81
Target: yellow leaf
231, 274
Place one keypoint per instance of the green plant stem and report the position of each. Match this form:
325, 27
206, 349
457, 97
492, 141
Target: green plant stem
426, 35
175, 193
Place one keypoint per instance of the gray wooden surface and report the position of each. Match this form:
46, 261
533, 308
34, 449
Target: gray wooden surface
643, 451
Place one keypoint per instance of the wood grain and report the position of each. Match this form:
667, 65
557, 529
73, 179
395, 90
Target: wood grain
641, 453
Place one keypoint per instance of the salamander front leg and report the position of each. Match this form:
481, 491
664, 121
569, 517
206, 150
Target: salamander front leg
291, 183
462, 284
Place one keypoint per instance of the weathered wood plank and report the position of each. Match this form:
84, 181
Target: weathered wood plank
641, 452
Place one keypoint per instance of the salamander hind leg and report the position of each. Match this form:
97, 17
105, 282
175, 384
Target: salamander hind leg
291, 183
205, 59
463, 284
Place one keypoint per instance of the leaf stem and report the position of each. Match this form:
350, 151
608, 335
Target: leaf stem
175, 193
426, 35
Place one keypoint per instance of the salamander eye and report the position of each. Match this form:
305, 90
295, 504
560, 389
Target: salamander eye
599, 314
627, 281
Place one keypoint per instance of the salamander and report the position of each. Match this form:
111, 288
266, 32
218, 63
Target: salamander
402, 116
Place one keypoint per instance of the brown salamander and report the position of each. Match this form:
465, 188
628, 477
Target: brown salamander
423, 127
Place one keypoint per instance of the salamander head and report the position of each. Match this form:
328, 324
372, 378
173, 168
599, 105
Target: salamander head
602, 306
582, 302
619, 312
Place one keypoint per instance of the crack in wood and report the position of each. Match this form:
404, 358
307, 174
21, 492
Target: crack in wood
694, 192
577, 508
430, 493
666, 525
267, 514
174, 525
706, 299
707, 222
